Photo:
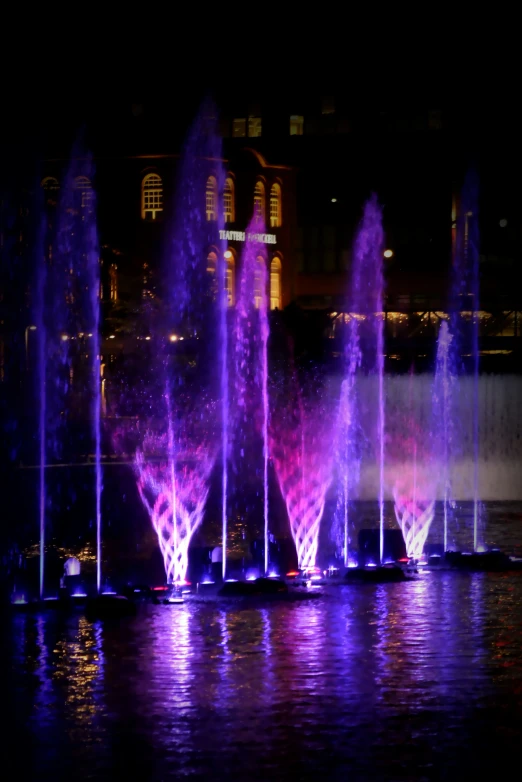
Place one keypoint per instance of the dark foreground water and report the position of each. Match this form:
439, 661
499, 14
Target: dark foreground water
409, 681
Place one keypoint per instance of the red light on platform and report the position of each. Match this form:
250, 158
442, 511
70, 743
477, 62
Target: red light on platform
293, 573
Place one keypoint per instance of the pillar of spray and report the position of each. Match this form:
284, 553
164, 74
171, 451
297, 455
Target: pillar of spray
365, 345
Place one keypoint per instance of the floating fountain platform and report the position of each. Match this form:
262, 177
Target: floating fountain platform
380, 574
109, 607
258, 588
482, 561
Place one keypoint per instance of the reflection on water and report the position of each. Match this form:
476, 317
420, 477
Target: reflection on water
395, 681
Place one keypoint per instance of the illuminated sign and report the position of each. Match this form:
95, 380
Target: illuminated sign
241, 236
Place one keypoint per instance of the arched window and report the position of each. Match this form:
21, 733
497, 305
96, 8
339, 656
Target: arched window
84, 186
51, 187
259, 294
259, 201
275, 284
212, 263
228, 201
211, 198
276, 213
113, 280
50, 183
151, 197
230, 278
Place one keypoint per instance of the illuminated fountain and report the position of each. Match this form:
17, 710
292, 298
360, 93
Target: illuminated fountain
364, 353
301, 435
174, 491
464, 306
443, 421
183, 432
415, 476
249, 422
67, 329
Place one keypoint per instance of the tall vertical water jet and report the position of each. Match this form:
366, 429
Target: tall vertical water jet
464, 308
182, 435
40, 329
364, 352
41, 260
348, 431
442, 420
251, 378
223, 328
68, 302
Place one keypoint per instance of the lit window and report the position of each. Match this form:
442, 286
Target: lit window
275, 284
275, 206
51, 187
113, 280
228, 201
211, 270
259, 201
254, 127
50, 183
239, 128
84, 186
151, 197
328, 105
258, 282
212, 263
230, 281
211, 198
296, 125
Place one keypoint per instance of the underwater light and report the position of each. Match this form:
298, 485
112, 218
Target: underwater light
79, 594
207, 582
249, 578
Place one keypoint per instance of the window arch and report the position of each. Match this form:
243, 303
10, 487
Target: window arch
211, 198
259, 278
229, 210
113, 280
276, 213
259, 201
275, 283
50, 186
230, 278
84, 187
212, 263
151, 196
50, 183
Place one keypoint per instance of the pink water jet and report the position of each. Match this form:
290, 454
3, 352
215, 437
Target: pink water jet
303, 458
414, 487
174, 492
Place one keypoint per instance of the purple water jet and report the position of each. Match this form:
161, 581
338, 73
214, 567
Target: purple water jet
443, 420
251, 333
464, 307
67, 326
182, 324
364, 352
301, 433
